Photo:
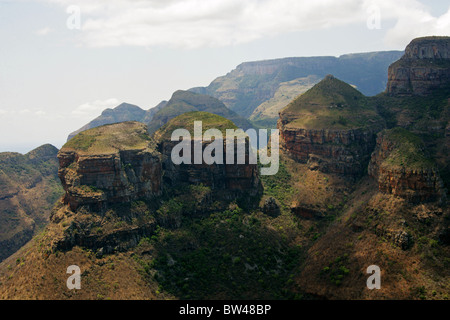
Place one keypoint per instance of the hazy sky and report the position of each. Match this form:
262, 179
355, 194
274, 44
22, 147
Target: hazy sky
63, 61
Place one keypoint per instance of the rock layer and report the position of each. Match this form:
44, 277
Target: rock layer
97, 180
416, 183
424, 67
331, 151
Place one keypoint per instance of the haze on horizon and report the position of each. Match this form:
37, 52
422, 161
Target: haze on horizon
55, 77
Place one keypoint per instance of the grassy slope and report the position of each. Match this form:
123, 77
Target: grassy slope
111, 138
331, 104
286, 92
409, 150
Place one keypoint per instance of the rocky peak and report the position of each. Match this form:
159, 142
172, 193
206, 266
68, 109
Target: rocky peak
428, 48
331, 126
424, 67
109, 164
402, 167
227, 180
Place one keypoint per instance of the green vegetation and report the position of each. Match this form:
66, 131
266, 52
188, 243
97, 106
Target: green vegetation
331, 104
186, 121
267, 112
279, 186
336, 270
227, 254
186, 101
408, 150
252, 83
111, 138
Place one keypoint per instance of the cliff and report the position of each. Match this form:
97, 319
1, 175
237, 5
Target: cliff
401, 167
332, 127
227, 180
109, 164
424, 67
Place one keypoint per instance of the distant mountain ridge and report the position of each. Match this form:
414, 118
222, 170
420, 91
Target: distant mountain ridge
123, 112
186, 101
258, 90
252, 83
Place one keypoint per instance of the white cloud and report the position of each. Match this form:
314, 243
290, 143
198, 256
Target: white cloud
213, 23
43, 31
92, 109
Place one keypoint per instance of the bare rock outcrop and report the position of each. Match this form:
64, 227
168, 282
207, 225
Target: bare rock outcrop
424, 67
110, 169
331, 128
402, 168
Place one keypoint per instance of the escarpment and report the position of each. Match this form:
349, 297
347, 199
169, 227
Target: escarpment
110, 164
120, 163
229, 180
402, 168
424, 67
331, 127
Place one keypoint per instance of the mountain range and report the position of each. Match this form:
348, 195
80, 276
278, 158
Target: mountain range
362, 181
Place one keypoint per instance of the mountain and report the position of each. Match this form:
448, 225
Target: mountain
362, 182
424, 67
331, 126
245, 88
123, 112
186, 101
29, 186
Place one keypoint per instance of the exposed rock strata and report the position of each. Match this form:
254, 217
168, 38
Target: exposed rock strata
416, 183
424, 67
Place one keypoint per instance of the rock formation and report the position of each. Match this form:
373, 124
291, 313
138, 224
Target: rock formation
424, 67
402, 168
331, 127
231, 180
110, 164
252, 83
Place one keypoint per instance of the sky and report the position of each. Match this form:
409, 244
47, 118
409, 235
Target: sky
64, 61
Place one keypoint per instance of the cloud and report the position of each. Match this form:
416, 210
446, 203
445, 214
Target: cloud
91, 109
43, 31
215, 23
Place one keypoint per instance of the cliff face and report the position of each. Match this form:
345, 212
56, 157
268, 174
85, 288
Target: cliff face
331, 127
97, 180
401, 168
331, 151
110, 175
424, 67
228, 180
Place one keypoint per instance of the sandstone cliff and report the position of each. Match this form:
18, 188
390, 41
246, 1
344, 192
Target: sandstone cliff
110, 164
331, 127
424, 67
229, 180
401, 167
